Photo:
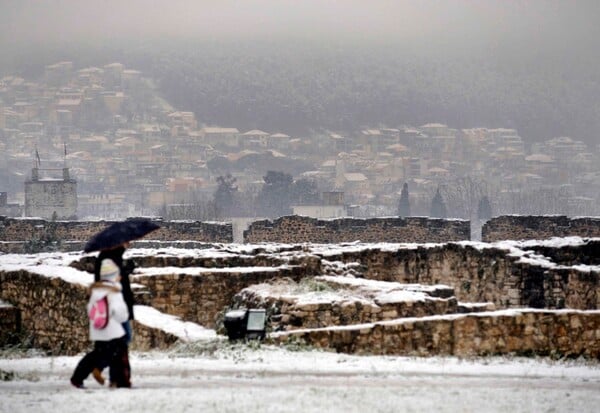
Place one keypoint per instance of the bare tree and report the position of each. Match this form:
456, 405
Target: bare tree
462, 196
193, 207
533, 201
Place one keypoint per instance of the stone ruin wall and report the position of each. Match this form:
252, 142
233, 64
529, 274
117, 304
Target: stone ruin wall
564, 333
298, 229
50, 307
477, 276
52, 310
289, 229
287, 312
203, 298
517, 227
10, 324
482, 275
14, 232
321, 315
50, 314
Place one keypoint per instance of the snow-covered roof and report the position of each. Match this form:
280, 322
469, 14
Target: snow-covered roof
217, 130
255, 132
539, 157
434, 125
355, 177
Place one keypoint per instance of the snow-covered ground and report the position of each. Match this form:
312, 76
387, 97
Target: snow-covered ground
241, 378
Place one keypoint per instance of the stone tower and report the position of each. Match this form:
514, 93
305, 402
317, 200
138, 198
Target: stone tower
49, 197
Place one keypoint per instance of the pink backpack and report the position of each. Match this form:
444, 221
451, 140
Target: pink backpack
99, 313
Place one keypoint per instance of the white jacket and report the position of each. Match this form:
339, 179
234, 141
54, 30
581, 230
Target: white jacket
117, 309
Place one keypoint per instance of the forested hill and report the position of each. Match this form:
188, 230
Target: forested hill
295, 66
298, 86
293, 87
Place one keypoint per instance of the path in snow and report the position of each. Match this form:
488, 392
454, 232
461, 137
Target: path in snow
267, 380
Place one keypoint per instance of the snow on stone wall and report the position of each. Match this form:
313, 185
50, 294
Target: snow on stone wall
517, 227
298, 229
52, 317
50, 291
73, 234
557, 333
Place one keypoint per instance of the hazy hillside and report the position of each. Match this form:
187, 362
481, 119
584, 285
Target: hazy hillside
284, 65
299, 86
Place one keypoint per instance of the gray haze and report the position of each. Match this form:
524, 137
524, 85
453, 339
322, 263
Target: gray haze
552, 25
210, 105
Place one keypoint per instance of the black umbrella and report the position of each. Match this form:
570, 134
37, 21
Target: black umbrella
120, 233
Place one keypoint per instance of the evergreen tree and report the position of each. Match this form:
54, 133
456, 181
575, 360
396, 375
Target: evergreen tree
484, 209
305, 192
438, 208
275, 196
404, 204
225, 196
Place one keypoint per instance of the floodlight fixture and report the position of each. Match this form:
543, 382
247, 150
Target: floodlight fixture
246, 323
255, 327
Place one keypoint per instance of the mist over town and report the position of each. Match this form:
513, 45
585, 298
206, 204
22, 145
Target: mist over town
200, 113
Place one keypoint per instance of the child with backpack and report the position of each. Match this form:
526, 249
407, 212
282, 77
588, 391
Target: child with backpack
107, 311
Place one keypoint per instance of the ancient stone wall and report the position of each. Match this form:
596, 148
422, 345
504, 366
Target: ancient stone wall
146, 338
288, 308
517, 227
527, 332
202, 298
587, 253
10, 324
477, 274
569, 288
52, 316
487, 274
73, 234
52, 310
299, 229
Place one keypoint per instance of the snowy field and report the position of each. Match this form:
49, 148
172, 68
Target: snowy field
239, 378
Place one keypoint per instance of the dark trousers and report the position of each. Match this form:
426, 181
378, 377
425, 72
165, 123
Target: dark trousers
112, 353
102, 364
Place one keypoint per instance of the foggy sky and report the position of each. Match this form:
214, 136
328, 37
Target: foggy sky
553, 25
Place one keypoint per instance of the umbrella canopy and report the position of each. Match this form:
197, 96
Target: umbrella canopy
120, 233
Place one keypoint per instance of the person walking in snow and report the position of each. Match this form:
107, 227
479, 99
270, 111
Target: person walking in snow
125, 268
108, 335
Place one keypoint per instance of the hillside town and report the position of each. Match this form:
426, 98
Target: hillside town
131, 153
